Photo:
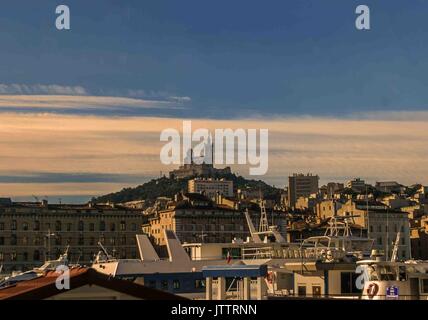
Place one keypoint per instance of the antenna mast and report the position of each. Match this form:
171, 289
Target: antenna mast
395, 250
264, 224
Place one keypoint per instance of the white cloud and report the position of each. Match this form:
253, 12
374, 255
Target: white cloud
33, 89
53, 96
140, 93
180, 99
80, 102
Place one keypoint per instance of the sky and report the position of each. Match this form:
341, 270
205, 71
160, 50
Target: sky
81, 110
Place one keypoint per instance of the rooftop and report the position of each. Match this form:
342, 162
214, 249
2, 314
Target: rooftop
44, 286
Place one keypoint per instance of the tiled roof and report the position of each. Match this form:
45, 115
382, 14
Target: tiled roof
44, 286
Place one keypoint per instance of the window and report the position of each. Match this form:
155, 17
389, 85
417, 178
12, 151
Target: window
13, 240
36, 255
81, 241
176, 284
24, 241
25, 226
122, 226
379, 240
123, 240
13, 225
112, 227
347, 283
379, 228
13, 256
1, 256
425, 285
164, 284
316, 291
58, 240
1, 241
81, 226
91, 227
25, 256
102, 226
133, 227
1, 225
371, 228
92, 241
36, 225
301, 291
37, 241
69, 226
235, 253
112, 241
58, 226
199, 284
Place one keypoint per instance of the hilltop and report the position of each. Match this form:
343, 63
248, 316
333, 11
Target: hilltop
168, 187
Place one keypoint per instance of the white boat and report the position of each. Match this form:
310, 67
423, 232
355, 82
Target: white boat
35, 272
384, 280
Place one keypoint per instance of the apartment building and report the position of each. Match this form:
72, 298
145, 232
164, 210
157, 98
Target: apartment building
382, 224
301, 185
211, 187
31, 232
195, 219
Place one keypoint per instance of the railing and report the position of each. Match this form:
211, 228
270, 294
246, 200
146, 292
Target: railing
293, 253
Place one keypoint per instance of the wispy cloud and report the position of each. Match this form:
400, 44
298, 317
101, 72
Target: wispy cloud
36, 89
150, 94
59, 99
61, 102
70, 177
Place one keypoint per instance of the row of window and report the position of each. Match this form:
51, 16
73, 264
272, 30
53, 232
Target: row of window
176, 284
57, 240
380, 241
379, 228
59, 226
36, 256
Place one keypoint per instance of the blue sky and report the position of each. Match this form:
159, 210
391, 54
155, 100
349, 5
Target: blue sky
232, 58
81, 110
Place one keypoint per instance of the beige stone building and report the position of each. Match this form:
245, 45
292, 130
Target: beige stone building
211, 187
31, 232
327, 208
382, 224
195, 218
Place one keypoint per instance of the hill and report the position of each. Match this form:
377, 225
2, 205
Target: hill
169, 187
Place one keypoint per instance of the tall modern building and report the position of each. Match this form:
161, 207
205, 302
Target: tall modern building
301, 185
